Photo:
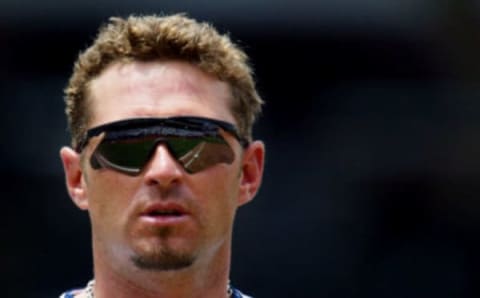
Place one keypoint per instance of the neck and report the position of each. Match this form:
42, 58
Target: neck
207, 277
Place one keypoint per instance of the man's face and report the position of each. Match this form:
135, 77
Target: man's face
130, 214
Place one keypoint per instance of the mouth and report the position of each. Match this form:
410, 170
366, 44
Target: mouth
164, 213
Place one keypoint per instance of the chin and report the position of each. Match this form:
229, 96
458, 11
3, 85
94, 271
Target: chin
162, 258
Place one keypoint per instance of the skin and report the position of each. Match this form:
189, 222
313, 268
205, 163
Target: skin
114, 201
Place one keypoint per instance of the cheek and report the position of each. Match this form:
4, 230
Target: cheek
218, 189
108, 201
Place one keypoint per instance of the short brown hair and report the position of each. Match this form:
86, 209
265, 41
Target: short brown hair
155, 37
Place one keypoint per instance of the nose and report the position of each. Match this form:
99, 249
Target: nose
162, 170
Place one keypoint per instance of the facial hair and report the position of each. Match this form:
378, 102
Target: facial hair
162, 257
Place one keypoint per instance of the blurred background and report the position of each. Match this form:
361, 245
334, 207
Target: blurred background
372, 129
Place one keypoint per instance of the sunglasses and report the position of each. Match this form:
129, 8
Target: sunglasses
127, 146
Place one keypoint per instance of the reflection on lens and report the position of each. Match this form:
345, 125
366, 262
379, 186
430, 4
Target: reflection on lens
127, 153
129, 156
206, 155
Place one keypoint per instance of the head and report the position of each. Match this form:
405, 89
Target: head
174, 206
151, 38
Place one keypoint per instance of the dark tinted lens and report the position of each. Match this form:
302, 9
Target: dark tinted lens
180, 146
123, 155
193, 153
197, 154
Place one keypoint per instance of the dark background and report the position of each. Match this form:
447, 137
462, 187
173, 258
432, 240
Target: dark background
371, 125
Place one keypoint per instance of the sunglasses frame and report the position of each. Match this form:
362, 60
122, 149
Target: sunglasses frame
180, 126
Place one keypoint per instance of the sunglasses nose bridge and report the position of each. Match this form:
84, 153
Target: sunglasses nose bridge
162, 167
161, 143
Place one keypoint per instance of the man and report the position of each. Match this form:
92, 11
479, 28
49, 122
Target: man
161, 111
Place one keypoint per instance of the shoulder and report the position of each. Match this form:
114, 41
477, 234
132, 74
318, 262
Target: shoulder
79, 293
237, 294
73, 294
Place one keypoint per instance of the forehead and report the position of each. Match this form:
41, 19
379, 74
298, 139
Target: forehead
157, 89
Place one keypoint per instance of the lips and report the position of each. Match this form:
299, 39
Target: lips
164, 209
164, 213
161, 212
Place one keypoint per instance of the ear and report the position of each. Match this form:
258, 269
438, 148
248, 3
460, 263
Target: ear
252, 171
74, 177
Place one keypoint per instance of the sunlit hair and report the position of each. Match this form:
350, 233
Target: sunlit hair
148, 38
